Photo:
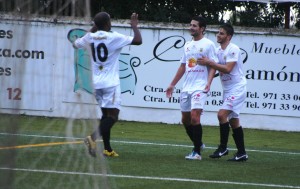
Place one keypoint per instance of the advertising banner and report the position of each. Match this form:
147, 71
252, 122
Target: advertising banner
39, 68
271, 67
27, 60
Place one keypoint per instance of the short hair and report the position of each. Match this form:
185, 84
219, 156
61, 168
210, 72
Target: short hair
101, 20
201, 21
228, 28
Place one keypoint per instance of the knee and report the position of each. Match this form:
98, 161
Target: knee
107, 122
115, 118
185, 121
222, 117
112, 114
195, 120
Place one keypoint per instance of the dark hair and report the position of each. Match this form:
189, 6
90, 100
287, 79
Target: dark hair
228, 28
102, 20
201, 21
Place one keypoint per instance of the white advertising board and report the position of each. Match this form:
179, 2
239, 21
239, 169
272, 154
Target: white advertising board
271, 66
27, 59
40, 70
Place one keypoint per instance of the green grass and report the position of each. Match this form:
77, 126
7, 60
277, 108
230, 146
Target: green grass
274, 157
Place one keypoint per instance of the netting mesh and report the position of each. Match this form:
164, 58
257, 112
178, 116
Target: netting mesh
42, 156
54, 8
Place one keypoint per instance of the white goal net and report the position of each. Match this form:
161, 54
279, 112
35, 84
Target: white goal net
39, 70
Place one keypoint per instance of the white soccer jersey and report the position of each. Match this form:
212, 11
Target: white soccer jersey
235, 78
196, 75
105, 50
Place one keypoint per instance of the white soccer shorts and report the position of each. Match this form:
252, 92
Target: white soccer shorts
234, 100
109, 97
192, 100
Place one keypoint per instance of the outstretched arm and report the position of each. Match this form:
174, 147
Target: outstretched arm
137, 37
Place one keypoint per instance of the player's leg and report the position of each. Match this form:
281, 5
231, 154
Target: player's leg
197, 129
195, 135
224, 129
111, 103
96, 133
238, 133
185, 105
238, 136
105, 130
90, 141
186, 121
197, 99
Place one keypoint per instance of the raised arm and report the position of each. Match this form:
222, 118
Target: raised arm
137, 37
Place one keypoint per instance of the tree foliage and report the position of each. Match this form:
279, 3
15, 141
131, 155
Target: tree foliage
250, 14
246, 13
165, 11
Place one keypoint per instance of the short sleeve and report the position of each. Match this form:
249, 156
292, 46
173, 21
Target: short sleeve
233, 54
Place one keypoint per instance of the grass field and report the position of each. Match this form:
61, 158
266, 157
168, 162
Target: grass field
39, 152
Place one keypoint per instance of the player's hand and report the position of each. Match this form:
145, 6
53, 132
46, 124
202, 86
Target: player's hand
206, 89
134, 19
94, 29
204, 61
169, 91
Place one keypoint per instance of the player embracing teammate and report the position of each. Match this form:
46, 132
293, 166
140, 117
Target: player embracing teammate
199, 62
230, 67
